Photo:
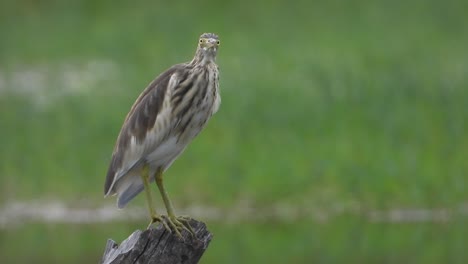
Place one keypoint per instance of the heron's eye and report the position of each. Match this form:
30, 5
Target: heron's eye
201, 41
218, 42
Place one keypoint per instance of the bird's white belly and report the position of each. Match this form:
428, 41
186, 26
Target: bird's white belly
165, 154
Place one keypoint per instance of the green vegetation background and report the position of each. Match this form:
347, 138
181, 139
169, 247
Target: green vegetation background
358, 105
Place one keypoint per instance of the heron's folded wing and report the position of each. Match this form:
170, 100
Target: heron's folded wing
146, 125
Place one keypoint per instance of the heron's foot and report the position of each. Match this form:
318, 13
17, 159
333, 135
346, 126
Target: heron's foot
160, 219
179, 223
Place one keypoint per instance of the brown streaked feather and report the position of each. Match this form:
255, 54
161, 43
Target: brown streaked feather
139, 121
164, 119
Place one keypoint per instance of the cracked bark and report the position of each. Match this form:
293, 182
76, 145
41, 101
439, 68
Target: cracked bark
156, 245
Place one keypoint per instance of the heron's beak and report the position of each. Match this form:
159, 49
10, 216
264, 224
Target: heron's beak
212, 43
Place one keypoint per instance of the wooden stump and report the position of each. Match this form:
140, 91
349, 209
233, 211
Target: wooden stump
157, 245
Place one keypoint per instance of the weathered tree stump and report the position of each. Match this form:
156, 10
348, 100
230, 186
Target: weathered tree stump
157, 245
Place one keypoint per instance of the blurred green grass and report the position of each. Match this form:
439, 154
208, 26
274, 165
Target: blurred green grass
343, 240
361, 101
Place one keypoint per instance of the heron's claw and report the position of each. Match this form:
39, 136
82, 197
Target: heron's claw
161, 219
185, 220
180, 223
173, 223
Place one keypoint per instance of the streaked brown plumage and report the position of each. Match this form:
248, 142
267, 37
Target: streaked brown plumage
165, 118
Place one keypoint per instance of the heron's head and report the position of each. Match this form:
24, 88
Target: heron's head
207, 46
209, 41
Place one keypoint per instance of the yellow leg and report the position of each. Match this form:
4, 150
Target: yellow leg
155, 217
177, 223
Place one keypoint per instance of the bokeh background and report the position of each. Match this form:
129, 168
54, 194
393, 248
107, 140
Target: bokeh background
342, 135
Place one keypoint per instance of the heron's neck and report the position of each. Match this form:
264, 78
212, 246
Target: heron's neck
203, 57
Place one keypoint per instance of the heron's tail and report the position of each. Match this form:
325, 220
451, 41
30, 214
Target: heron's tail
127, 188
